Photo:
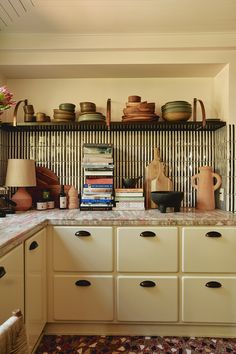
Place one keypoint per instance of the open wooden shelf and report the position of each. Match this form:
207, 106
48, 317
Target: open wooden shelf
211, 125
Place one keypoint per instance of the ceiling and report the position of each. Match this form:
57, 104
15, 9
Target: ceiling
117, 16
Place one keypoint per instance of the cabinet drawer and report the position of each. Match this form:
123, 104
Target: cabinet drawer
83, 248
12, 283
83, 297
147, 249
209, 249
143, 303
209, 304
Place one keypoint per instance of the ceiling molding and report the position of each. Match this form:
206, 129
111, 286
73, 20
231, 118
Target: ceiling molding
102, 42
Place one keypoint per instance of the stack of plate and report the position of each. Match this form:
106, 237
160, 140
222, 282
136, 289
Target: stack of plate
88, 113
65, 113
176, 111
136, 110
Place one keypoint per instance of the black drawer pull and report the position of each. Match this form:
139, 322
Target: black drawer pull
82, 233
213, 284
147, 284
82, 283
33, 245
148, 234
2, 272
213, 234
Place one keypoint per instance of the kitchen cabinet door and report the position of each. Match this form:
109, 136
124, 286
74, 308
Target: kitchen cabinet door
147, 298
35, 286
82, 248
11, 282
209, 299
209, 249
147, 249
83, 297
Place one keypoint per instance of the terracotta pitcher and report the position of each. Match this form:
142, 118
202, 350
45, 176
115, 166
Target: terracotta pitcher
205, 187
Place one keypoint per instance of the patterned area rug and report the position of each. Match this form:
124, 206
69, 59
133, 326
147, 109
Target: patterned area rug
52, 344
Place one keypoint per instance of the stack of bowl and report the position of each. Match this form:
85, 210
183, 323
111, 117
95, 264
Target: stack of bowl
88, 113
138, 111
65, 113
176, 111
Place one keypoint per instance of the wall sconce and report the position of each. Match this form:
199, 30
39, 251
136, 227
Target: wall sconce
16, 109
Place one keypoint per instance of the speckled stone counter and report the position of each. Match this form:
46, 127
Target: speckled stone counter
14, 229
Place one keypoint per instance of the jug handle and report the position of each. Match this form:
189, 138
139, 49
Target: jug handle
218, 180
195, 100
193, 178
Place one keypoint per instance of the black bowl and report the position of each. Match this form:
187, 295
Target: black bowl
166, 199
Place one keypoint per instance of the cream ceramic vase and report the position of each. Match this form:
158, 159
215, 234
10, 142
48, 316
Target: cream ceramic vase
203, 182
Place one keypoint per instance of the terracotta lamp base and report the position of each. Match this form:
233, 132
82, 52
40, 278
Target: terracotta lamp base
22, 199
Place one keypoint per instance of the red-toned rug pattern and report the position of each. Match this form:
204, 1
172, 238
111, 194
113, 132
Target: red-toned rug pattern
73, 344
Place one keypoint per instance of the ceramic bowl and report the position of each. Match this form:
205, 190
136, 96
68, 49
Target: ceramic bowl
134, 98
176, 109
61, 111
174, 103
67, 107
87, 107
176, 116
167, 199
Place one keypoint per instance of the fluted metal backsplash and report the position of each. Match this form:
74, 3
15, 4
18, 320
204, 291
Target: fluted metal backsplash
183, 152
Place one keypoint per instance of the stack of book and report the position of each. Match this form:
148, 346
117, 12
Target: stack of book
97, 192
129, 199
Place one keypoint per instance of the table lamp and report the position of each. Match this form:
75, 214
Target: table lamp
21, 173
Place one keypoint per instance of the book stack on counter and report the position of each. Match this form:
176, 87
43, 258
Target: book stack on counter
97, 192
129, 199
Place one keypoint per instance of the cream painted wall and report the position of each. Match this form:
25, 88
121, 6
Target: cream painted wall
221, 94
47, 94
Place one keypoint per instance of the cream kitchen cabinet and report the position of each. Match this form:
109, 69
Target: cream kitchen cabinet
147, 249
209, 299
35, 286
82, 249
147, 298
150, 297
143, 279
83, 297
209, 249
82, 276
11, 282
209, 278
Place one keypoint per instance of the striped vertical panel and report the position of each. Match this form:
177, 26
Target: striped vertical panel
230, 171
183, 152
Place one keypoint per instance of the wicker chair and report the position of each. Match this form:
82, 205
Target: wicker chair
13, 338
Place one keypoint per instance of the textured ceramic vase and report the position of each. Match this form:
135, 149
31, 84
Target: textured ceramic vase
203, 182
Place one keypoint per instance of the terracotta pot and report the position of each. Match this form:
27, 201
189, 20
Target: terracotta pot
206, 187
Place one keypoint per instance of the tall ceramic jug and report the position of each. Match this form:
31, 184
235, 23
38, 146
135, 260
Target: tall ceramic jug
205, 187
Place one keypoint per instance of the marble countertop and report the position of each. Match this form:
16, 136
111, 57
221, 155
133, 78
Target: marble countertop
16, 228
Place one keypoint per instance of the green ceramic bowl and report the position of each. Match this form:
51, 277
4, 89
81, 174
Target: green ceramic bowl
67, 107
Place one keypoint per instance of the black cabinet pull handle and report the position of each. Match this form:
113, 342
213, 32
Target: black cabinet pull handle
148, 234
82, 282
213, 284
2, 272
82, 233
33, 245
213, 234
147, 284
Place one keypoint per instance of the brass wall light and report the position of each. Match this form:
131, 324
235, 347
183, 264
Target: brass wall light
16, 110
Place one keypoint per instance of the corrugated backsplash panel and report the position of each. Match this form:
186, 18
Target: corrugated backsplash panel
3, 155
183, 152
